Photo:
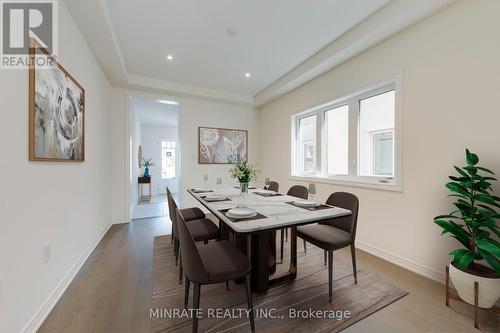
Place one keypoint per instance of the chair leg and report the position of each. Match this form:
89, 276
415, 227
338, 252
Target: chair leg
282, 244
176, 250
227, 285
181, 271
286, 235
250, 302
172, 238
186, 292
305, 249
354, 270
330, 276
324, 256
205, 242
196, 305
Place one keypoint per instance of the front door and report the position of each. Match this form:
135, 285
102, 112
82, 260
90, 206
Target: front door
168, 166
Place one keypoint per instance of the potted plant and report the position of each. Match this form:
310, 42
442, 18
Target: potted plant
147, 163
244, 173
474, 225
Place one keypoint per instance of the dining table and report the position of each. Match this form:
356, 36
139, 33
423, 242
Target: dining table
253, 235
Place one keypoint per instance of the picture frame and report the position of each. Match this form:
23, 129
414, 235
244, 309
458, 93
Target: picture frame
222, 145
56, 111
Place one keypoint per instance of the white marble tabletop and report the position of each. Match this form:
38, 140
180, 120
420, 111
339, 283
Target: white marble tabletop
278, 213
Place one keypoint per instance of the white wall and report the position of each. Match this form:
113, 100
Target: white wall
193, 113
451, 68
150, 136
64, 204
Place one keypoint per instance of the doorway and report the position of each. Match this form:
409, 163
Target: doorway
154, 139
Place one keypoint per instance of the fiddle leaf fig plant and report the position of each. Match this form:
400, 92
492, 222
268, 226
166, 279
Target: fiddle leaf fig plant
474, 221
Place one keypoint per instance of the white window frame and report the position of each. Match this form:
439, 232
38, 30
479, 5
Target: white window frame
353, 178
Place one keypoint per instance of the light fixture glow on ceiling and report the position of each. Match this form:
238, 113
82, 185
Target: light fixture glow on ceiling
248, 74
170, 57
164, 101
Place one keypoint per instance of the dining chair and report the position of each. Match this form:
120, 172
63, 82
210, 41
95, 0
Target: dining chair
297, 191
274, 186
334, 234
216, 262
202, 229
193, 213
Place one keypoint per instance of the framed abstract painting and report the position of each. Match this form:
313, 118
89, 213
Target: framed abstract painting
56, 111
222, 145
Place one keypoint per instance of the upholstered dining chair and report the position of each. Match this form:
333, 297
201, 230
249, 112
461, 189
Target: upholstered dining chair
212, 263
202, 229
297, 191
335, 234
274, 186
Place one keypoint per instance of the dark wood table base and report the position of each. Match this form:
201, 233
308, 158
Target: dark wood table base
259, 248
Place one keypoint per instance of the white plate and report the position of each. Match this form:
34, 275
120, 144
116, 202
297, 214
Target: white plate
240, 217
264, 191
241, 212
306, 203
215, 198
200, 189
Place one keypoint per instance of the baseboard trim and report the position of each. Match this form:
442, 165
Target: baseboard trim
402, 262
41, 314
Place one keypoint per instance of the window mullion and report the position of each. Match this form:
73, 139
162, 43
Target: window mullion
319, 143
353, 136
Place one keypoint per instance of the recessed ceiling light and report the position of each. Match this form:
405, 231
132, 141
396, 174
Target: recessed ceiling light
248, 74
170, 57
164, 101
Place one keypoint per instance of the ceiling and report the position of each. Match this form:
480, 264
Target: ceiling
271, 37
282, 43
151, 112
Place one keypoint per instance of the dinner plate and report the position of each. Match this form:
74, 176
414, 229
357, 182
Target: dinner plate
306, 203
264, 192
241, 213
215, 198
200, 189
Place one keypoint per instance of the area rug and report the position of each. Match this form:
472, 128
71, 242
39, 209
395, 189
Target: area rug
299, 306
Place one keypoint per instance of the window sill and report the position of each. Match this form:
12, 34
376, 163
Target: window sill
349, 182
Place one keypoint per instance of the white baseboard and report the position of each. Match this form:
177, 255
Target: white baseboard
410, 265
41, 314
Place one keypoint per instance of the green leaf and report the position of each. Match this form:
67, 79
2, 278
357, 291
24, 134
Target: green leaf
471, 158
458, 188
460, 171
446, 217
491, 260
489, 246
462, 257
472, 170
485, 170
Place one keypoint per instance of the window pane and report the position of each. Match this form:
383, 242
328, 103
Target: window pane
376, 135
307, 144
337, 140
167, 160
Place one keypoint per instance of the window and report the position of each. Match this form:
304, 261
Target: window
350, 140
167, 152
307, 143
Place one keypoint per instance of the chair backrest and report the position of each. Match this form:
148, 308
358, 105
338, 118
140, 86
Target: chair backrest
274, 186
347, 201
172, 207
298, 191
190, 257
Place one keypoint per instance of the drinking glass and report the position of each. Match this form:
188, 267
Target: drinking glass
267, 184
205, 178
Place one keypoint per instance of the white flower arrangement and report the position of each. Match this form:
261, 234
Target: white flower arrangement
244, 172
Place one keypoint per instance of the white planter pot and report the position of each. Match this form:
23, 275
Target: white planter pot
489, 288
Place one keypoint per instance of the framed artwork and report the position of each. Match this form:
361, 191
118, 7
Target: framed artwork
56, 112
222, 145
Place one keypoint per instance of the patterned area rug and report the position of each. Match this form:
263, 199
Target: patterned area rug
299, 306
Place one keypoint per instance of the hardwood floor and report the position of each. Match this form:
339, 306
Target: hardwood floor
112, 292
